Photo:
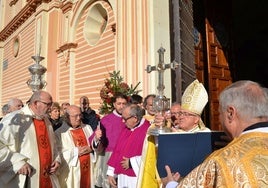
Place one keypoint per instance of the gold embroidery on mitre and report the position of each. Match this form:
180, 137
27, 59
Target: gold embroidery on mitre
194, 98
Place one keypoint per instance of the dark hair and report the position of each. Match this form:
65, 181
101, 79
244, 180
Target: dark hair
119, 95
84, 99
136, 99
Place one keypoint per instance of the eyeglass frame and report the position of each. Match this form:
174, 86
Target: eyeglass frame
45, 103
126, 119
184, 114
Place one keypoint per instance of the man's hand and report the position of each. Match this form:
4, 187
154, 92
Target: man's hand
112, 181
26, 169
125, 163
98, 133
84, 150
170, 176
159, 120
54, 166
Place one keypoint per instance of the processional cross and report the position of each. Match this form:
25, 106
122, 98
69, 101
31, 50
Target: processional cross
161, 103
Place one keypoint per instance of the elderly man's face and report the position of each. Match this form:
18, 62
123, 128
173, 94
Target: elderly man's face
130, 121
187, 120
75, 117
16, 106
43, 105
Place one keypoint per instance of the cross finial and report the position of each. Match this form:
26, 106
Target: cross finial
161, 103
161, 67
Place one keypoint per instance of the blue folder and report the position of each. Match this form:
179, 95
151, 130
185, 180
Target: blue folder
184, 151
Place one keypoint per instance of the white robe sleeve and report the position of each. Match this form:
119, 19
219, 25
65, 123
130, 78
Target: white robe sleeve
10, 160
74, 159
110, 171
136, 163
172, 184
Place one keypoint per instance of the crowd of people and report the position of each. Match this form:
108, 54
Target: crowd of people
47, 144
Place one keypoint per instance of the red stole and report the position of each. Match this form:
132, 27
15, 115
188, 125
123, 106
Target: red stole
45, 154
79, 139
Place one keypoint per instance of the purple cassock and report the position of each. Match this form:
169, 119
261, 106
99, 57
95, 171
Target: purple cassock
129, 144
113, 125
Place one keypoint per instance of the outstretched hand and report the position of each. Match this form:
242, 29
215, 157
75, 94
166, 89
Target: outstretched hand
170, 176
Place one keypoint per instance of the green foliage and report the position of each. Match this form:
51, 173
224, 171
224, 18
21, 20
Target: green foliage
113, 85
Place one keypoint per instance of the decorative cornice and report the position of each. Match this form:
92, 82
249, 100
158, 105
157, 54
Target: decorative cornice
21, 17
66, 46
13, 2
67, 7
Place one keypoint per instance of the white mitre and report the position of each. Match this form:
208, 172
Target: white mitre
194, 99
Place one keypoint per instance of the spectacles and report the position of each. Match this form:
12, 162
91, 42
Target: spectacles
45, 103
185, 114
125, 119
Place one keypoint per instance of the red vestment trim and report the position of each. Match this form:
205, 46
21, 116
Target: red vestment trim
45, 154
80, 140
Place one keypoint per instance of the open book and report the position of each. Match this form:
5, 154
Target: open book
184, 151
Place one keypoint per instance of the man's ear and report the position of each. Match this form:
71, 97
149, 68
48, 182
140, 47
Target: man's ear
230, 112
197, 119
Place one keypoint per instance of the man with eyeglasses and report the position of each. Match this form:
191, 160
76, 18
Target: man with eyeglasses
79, 146
194, 99
185, 118
243, 114
124, 163
112, 126
28, 155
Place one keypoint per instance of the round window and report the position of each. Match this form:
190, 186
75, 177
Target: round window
95, 23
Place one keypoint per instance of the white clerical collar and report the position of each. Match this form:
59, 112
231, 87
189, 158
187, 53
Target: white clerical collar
140, 124
116, 113
262, 129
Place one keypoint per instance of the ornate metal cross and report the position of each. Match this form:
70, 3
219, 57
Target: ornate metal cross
161, 67
161, 103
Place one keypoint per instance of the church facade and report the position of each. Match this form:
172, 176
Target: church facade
82, 42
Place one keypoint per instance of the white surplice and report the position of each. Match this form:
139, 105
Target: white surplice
18, 145
69, 173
